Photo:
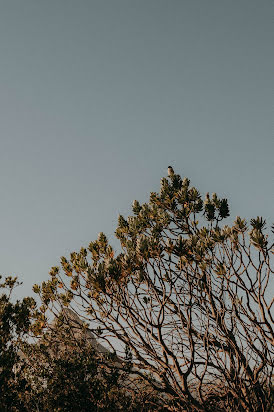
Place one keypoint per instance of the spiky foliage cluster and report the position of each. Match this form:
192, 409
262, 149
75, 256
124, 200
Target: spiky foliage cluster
187, 295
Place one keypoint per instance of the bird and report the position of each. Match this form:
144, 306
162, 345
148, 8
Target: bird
170, 171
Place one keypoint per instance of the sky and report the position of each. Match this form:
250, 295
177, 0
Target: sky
98, 97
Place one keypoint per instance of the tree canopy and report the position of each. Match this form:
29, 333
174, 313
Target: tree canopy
184, 307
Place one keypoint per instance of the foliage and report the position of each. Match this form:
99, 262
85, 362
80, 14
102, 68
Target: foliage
14, 326
66, 374
187, 295
60, 370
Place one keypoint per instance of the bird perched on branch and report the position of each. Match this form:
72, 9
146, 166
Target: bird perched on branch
170, 171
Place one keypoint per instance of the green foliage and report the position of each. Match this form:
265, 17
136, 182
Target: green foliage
68, 375
14, 325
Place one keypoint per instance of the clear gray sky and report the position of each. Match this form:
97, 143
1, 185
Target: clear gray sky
98, 97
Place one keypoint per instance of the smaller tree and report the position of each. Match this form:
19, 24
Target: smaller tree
14, 327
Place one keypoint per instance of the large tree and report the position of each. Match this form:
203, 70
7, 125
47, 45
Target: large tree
188, 296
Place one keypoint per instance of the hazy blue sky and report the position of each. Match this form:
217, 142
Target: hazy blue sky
97, 98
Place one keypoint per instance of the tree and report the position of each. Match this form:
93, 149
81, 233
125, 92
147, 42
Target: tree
15, 321
189, 298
